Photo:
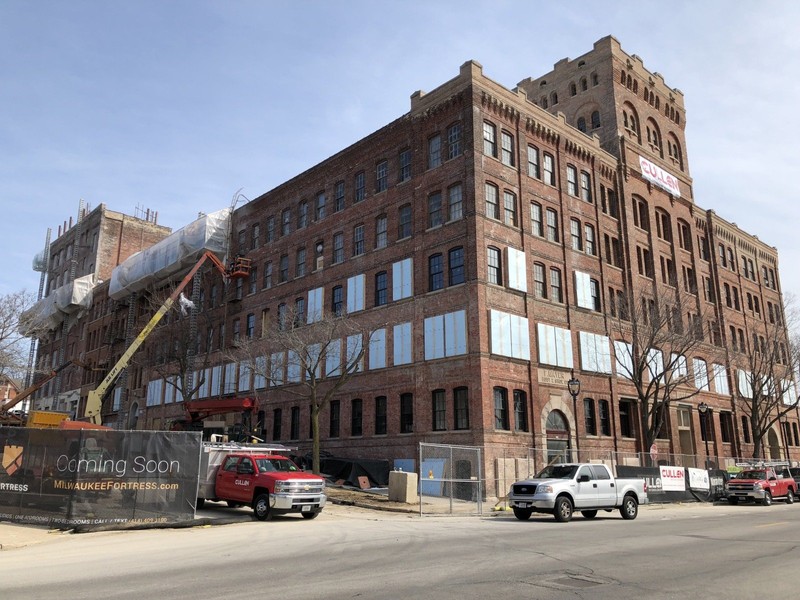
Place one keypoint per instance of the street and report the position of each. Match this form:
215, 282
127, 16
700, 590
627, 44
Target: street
672, 551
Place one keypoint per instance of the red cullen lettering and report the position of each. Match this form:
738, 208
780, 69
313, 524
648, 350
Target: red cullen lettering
676, 473
651, 171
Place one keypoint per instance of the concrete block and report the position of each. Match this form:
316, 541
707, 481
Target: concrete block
403, 487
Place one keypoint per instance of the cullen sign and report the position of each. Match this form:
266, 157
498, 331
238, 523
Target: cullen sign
659, 177
91, 477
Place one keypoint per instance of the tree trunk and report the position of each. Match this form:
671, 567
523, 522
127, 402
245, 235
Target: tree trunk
315, 440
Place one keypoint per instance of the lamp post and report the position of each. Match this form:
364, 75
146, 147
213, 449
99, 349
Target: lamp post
574, 387
703, 409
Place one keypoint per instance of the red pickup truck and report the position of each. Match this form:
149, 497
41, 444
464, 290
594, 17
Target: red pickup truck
761, 484
269, 483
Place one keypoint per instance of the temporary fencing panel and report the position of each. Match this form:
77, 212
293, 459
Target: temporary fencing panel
450, 479
65, 478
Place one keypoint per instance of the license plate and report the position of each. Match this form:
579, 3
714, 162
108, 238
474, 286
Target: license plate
305, 509
523, 505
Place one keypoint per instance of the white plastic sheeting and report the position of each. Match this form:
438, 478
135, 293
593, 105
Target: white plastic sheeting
67, 301
172, 255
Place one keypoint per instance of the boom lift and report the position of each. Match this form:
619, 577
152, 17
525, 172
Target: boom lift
239, 267
8, 419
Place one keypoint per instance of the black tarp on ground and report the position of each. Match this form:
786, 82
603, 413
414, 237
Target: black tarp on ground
65, 478
350, 469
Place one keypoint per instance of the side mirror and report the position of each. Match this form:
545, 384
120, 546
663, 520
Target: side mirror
583, 479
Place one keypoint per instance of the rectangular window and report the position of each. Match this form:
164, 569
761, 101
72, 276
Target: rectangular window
356, 418
494, 267
626, 412
358, 240
359, 187
461, 408
284, 268
402, 279
520, 411
380, 415
251, 326
334, 419
572, 180
338, 248
439, 410
539, 283
453, 140
286, 222
270, 229
726, 426
455, 209
510, 208
381, 285
549, 169
533, 162
555, 285
381, 237
338, 196
435, 209
435, 272
406, 413
605, 417
404, 222
489, 139
253, 281
405, 166
302, 215
552, 225
507, 148
319, 209
589, 420
276, 424
575, 234
586, 187
456, 262
255, 236
434, 151
591, 248
501, 408
537, 226
492, 202
337, 300
294, 426
300, 263
381, 176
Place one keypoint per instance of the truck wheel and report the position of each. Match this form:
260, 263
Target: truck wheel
311, 515
201, 502
629, 508
767, 501
523, 514
261, 507
589, 514
789, 496
562, 511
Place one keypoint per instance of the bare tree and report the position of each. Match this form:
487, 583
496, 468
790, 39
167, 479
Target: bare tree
766, 366
312, 356
13, 354
652, 345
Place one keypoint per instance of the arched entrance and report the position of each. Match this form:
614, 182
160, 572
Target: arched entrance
774, 445
557, 430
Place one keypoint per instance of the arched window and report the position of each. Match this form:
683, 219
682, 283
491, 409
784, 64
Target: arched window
543, 102
553, 98
572, 89
584, 85
595, 119
556, 423
582, 124
622, 78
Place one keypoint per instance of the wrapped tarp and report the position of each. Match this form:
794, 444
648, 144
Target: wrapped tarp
172, 255
40, 262
69, 300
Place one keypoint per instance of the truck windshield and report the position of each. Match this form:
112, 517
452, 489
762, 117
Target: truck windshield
752, 475
557, 472
266, 465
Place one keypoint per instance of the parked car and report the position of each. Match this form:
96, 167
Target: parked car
561, 489
761, 484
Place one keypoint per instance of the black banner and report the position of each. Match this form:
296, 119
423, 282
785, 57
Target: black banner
656, 493
96, 477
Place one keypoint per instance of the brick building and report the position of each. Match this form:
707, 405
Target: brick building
492, 237
86, 327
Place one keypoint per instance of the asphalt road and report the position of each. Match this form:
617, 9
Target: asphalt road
684, 551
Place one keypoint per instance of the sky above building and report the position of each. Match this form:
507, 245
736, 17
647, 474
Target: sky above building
175, 106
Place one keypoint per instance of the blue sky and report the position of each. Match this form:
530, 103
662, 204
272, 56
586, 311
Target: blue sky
175, 105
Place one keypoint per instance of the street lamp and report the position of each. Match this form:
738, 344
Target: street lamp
786, 435
574, 387
703, 409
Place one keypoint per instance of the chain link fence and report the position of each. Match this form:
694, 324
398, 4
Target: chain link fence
450, 480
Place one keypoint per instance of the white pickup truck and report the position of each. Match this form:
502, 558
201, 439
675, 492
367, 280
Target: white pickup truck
561, 489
